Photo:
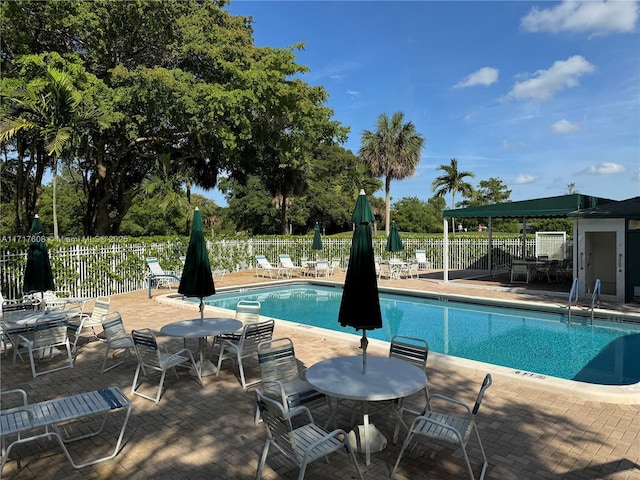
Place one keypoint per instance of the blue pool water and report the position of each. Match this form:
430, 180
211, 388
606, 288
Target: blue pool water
606, 353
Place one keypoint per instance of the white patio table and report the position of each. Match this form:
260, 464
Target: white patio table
202, 328
385, 379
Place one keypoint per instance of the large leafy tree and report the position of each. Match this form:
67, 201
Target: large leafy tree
414, 215
183, 79
393, 151
46, 114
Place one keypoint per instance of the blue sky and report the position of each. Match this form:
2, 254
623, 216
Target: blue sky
538, 94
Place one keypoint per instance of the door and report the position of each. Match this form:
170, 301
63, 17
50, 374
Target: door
601, 261
633, 265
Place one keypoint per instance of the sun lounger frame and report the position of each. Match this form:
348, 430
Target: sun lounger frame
47, 419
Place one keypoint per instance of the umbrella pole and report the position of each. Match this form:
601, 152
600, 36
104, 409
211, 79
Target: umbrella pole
201, 308
363, 345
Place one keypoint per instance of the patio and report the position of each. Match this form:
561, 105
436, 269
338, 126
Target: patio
208, 432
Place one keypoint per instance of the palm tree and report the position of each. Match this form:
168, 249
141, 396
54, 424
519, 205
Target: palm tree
393, 151
452, 182
54, 109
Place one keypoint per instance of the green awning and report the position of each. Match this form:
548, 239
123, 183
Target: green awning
548, 207
628, 209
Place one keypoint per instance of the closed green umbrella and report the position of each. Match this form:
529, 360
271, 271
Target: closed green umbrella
37, 274
360, 305
197, 279
317, 240
394, 242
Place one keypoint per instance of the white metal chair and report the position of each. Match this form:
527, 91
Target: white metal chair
303, 444
264, 267
452, 429
246, 346
117, 339
281, 376
520, 270
85, 322
322, 268
151, 358
412, 350
47, 337
421, 258
247, 311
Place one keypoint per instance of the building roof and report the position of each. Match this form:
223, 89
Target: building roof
548, 207
628, 209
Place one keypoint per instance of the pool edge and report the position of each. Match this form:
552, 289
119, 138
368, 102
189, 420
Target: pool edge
619, 394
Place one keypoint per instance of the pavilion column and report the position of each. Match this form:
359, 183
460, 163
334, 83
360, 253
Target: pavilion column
490, 248
445, 252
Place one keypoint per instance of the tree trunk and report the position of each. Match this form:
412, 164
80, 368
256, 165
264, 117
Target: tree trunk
55, 191
387, 204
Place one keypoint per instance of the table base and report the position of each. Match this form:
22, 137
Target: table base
377, 441
206, 368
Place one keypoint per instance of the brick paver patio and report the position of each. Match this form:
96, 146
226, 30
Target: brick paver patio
208, 432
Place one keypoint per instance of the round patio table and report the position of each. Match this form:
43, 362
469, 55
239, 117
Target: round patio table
202, 328
385, 379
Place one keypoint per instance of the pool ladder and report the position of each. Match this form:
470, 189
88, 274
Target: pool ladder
595, 297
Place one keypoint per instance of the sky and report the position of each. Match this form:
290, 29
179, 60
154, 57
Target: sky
537, 94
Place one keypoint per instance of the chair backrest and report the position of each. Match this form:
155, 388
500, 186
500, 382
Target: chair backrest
248, 311
409, 349
50, 332
253, 334
277, 360
279, 427
421, 256
154, 266
322, 265
285, 261
263, 262
486, 383
113, 326
335, 263
146, 347
100, 309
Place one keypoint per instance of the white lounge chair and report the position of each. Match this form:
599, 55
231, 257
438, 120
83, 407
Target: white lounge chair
247, 346
29, 422
150, 358
302, 444
117, 339
281, 376
264, 267
158, 276
452, 429
287, 267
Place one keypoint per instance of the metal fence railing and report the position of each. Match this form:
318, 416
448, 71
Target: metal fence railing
108, 269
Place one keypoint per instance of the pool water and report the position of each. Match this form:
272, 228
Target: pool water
606, 353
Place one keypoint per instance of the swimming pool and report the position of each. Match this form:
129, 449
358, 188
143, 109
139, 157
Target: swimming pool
606, 353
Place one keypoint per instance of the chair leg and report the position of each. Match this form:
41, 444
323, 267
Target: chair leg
352, 455
263, 459
164, 372
407, 440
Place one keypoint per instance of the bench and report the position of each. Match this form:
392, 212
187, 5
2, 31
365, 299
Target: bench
53, 418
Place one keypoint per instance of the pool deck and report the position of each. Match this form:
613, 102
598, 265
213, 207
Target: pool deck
529, 430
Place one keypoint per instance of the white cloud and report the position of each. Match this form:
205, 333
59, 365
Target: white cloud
543, 84
507, 146
353, 93
599, 17
485, 76
565, 126
524, 179
605, 168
